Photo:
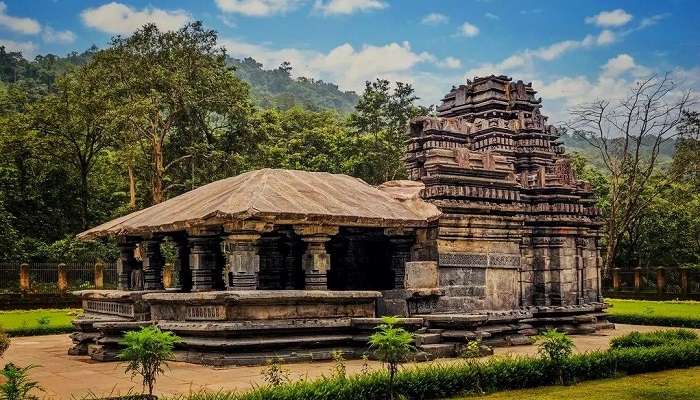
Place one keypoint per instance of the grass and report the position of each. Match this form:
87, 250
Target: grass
677, 384
684, 314
37, 322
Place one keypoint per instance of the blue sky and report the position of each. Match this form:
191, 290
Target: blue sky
572, 51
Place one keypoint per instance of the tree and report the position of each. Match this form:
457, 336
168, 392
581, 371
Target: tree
74, 122
146, 351
380, 122
392, 346
165, 81
628, 135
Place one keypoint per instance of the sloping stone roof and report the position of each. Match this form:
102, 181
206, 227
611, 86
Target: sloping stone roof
276, 195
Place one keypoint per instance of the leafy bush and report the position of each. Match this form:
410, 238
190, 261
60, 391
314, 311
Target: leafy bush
434, 381
392, 345
17, 385
651, 339
471, 350
554, 345
4, 342
275, 374
146, 350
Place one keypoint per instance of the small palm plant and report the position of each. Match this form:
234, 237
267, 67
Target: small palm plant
146, 352
17, 385
392, 345
555, 346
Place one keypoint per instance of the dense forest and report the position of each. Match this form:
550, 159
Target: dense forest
91, 136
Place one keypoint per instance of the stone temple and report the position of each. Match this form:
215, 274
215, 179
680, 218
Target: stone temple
492, 238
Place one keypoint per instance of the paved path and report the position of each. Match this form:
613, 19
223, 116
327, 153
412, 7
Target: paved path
64, 376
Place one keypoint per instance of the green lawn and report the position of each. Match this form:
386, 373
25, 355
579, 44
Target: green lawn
677, 384
666, 313
37, 322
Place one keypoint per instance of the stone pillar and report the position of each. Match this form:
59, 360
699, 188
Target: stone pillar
24, 277
62, 277
99, 275
401, 241
200, 262
153, 263
241, 249
685, 283
616, 278
292, 270
126, 262
316, 261
181, 269
580, 270
168, 275
638, 279
243, 261
540, 266
271, 275
660, 280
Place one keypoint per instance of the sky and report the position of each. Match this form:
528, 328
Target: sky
572, 51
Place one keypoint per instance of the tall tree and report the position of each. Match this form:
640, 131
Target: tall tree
380, 120
628, 135
165, 80
74, 123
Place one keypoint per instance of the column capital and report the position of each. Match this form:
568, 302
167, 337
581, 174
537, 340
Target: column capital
204, 230
399, 231
256, 226
316, 230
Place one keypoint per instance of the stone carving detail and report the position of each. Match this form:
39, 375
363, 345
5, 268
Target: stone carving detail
504, 260
206, 313
471, 260
109, 307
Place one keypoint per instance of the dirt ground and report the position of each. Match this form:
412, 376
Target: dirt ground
66, 377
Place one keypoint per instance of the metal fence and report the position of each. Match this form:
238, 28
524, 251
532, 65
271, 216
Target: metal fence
44, 277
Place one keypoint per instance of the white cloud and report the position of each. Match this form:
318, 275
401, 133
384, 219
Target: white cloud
435, 19
468, 30
53, 36
492, 16
621, 64
28, 49
606, 19
118, 18
258, 8
25, 26
227, 21
521, 62
605, 37
449, 62
345, 65
346, 7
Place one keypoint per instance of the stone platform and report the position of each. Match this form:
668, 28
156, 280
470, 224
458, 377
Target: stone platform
252, 327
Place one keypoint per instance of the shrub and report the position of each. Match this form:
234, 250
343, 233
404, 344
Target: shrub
275, 374
17, 385
392, 345
555, 346
471, 350
339, 369
146, 351
4, 342
651, 339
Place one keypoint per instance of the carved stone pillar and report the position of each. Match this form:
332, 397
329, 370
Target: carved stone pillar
153, 263
241, 247
272, 267
201, 261
401, 241
316, 261
580, 271
126, 262
554, 277
540, 266
182, 263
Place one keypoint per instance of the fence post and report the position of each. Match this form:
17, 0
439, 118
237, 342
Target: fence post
99, 275
62, 277
684, 281
638, 279
616, 278
660, 280
168, 275
24, 277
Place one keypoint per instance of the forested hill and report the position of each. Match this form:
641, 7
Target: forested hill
271, 88
276, 88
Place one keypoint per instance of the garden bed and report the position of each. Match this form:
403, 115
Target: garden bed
684, 314
38, 322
